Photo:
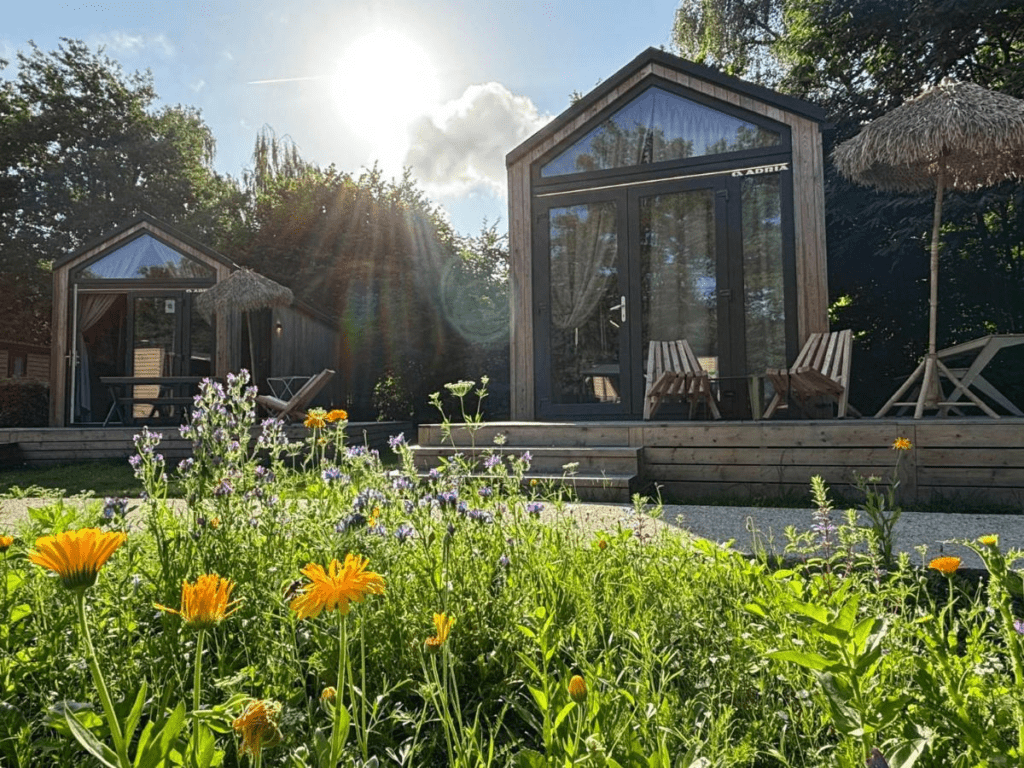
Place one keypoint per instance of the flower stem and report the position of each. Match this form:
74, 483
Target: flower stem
196, 688
337, 741
101, 687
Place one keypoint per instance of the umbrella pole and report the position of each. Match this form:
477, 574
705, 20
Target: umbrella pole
930, 392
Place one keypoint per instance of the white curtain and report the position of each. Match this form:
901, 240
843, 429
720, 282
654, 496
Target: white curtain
583, 254
91, 309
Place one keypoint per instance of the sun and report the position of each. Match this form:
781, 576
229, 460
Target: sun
383, 81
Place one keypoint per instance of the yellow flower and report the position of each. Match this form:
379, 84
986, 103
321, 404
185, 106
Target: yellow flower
442, 625
336, 587
315, 419
215, 522
5, 543
337, 414
902, 444
578, 689
602, 544
77, 556
205, 604
258, 726
991, 540
946, 565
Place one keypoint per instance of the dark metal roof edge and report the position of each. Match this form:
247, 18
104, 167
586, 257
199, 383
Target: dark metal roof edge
658, 56
156, 223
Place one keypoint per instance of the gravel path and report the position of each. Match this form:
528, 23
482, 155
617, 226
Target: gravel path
937, 531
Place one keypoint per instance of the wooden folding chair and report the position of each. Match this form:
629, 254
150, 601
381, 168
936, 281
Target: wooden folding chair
148, 361
821, 370
295, 407
674, 371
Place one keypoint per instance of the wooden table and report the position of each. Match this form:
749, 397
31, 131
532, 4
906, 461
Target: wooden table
172, 392
965, 380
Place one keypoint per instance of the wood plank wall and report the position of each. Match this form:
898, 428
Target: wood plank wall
49, 447
972, 461
808, 212
306, 346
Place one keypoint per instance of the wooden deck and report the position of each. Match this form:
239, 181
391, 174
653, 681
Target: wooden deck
63, 445
971, 460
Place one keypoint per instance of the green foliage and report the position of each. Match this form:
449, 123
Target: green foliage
692, 654
24, 403
392, 399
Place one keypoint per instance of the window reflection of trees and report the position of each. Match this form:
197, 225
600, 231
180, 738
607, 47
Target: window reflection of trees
764, 289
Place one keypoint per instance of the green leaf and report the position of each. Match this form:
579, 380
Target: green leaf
811, 611
94, 746
132, 721
847, 615
563, 713
540, 697
847, 720
19, 612
755, 609
804, 659
205, 747
527, 758
164, 742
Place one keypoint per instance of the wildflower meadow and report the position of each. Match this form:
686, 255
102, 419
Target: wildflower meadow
318, 604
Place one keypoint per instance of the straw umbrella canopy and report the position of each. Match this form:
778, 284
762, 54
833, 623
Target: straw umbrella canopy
243, 291
954, 135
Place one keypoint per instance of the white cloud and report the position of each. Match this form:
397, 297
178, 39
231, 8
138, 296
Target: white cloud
128, 45
198, 86
461, 148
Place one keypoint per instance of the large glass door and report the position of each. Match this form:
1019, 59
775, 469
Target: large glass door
582, 288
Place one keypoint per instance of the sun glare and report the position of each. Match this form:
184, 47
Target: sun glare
383, 81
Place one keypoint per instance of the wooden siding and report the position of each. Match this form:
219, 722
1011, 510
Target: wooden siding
808, 215
968, 460
306, 346
50, 446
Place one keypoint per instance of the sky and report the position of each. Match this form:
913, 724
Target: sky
445, 87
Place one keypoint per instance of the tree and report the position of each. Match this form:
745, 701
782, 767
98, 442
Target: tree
82, 151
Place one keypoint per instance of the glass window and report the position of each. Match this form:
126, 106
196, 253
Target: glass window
145, 258
657, 126
763, 284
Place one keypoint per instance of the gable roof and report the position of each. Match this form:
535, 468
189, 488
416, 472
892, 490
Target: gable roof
152, 224
699, 71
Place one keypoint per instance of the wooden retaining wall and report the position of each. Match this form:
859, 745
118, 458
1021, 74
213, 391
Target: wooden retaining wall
52, 446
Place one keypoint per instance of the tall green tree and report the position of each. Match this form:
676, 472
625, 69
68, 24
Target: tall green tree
83, 149
859, 59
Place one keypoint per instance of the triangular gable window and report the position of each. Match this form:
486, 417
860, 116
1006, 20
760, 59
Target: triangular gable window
658, 126
145, 258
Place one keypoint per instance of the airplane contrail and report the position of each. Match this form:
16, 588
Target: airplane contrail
283, 80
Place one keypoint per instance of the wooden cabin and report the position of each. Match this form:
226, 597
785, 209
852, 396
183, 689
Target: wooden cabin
124, 306
671, 202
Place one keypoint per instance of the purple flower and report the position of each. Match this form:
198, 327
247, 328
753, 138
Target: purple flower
113, 507
434, 473
480, 516
534, 508
404, 532
1018, 624
504, 561
492, 461
224, 489
395, 441
356, 518
333, 473
485, 491
448, 498
135, 460
378, 530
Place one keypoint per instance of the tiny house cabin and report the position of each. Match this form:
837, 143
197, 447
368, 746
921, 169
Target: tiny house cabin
671, 202
124, 306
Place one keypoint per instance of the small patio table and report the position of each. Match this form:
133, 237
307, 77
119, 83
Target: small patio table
964, 379
284, 387
174, 391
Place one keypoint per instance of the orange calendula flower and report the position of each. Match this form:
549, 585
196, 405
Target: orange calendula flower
328, 694
77, 556
991, 540
315, 418
578, 689
5, 543
258, 727
336, 414
901, 444
337, 586
205, 604
945, 565
442, 626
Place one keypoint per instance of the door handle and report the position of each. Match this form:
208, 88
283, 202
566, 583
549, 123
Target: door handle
621, 306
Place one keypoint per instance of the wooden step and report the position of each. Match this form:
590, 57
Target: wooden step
588, 460
528, 434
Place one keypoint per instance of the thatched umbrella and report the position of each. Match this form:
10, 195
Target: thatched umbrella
953, 136
244, 290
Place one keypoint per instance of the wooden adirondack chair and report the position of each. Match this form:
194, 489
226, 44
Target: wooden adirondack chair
821, 370
295, 407
674, 371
